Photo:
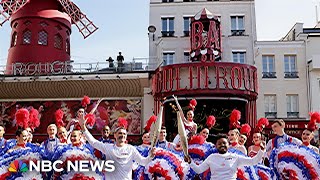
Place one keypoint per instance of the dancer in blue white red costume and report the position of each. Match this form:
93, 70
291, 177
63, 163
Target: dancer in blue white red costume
162, 142
20, 155
257, 137
3, 141
234, 133
62, 135
190, 126
281, 137
308, 134
49, 145
71, 152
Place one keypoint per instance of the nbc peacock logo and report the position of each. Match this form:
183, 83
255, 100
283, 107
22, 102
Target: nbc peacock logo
18, 166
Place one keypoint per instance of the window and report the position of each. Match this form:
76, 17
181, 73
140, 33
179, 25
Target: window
268, 70
186, 25
270, 106
27, 23
58, 28
168, 58
43, 38
167, 26
14, 39
26, 37
58, 41
239, 56
186, 56
44, 24
68, 46
290, 66
188, 0
15, 25
237, 25
167, 0
292, 105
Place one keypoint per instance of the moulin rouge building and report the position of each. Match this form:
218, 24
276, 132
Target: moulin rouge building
52, 81
219, 85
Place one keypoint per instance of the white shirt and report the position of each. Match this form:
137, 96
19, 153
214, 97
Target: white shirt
122, 156
224, 166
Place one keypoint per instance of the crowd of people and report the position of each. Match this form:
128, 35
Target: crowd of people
225, 158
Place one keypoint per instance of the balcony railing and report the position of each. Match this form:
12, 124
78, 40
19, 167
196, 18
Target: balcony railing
269, 75
237, 32
167, 33
292, 114
292, 74
69, 67
270, 114
186, 33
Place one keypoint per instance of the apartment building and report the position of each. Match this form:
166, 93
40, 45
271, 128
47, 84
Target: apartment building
170, 42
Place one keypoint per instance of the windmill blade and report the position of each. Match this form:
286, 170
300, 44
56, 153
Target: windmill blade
85, 26
9, 7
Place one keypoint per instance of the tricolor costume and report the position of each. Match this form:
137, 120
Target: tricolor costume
289, 159
234, 118
71, 153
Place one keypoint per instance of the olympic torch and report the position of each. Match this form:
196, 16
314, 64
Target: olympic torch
155, 130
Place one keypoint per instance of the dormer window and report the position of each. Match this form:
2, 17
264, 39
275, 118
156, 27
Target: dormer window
26, 37
58, 41
43, 38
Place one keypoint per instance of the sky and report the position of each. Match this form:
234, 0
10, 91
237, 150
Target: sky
124, 27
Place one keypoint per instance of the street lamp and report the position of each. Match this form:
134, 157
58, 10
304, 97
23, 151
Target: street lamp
152, 29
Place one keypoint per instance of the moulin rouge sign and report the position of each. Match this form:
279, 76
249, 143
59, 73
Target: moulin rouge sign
205, 37
204, 75
56, 67
214, 77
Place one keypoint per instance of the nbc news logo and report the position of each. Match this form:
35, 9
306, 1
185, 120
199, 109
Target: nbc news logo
18, 166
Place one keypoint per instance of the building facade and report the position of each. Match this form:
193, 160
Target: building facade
289, 77
282, 79
287, 69
219, 87
171, 18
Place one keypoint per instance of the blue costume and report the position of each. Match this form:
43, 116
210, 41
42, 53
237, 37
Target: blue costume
23, 155
72, 153
7, 144
48, 147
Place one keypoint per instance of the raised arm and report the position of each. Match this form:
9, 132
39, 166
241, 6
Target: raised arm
248, 161
202, 166
143, 161
92, 141
180, 109
69, 124
95, 108
95, 143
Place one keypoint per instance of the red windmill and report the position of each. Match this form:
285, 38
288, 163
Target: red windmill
41, 30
